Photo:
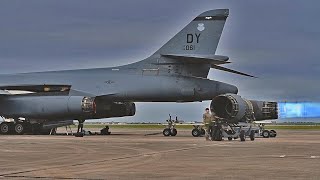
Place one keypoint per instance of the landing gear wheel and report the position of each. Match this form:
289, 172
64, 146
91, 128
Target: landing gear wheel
166, 132
266, 134
4, 128
230, 138
252, 135
19, 128
195, 133
273, 133
174, 132
242, 135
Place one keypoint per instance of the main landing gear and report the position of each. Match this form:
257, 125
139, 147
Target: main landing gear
14, 127
22, 127
170, 129
198, 131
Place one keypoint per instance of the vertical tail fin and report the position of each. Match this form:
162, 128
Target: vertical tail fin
200, 37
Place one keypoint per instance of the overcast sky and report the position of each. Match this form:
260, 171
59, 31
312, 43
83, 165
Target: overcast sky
278, 41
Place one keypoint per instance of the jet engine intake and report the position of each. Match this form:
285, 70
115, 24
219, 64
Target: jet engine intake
236, 109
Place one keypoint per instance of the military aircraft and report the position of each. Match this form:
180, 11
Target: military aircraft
177, 72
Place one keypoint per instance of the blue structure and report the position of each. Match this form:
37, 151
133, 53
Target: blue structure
299, 110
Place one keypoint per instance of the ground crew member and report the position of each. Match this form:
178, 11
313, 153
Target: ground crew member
80, 128
207, 119
215, 127
213, 116
105, 131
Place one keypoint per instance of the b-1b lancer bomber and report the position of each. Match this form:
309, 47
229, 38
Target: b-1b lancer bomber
177, 72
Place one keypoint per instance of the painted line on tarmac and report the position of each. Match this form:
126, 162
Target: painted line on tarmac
291, 156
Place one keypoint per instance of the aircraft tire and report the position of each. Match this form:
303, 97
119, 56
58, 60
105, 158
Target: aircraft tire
230, 138
166, 132
242, 135
265, 134
273, 133
5, 128
195, 133
174, 132
19, 128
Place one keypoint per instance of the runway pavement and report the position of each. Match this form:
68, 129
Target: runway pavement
146, 154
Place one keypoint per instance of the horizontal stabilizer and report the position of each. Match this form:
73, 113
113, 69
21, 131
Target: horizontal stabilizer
199, 59
230, 70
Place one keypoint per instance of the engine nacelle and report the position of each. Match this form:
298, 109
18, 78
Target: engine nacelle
63, 107
114, 109
48, 107
236, 109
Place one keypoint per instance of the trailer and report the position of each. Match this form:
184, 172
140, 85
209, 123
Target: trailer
222, 129
262, 132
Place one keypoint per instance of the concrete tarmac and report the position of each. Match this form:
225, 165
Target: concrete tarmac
146, 154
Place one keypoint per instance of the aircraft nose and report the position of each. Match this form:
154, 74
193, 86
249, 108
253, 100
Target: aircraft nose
228, 88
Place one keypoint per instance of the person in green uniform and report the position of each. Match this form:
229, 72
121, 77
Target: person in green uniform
207, 119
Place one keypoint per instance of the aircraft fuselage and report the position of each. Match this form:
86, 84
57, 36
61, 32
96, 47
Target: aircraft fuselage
126, 85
